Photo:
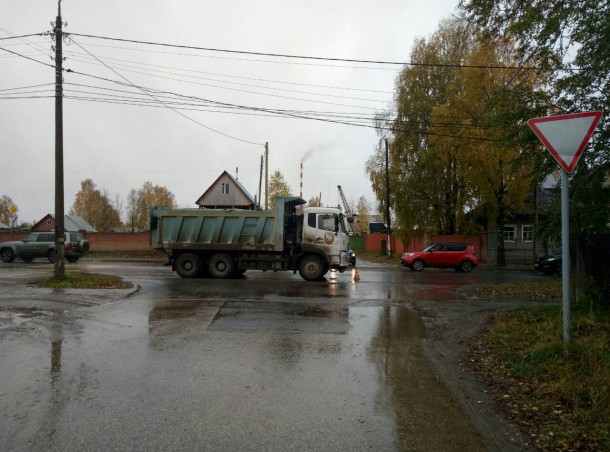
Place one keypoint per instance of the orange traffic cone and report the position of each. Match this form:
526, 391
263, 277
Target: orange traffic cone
356, 275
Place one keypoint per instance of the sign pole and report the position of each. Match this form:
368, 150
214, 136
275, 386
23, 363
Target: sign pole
566, 136
565, 255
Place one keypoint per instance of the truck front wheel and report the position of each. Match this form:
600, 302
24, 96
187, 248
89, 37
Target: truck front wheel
188, 265
221, 266
312, 268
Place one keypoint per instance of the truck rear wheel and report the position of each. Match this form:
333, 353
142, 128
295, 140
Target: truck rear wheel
312, 268
221, 266
188, 265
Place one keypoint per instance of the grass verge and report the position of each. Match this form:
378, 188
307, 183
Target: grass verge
561, 399
84, 281
547, 289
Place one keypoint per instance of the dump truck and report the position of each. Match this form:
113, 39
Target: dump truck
226, 243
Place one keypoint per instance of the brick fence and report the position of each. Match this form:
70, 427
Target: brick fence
101, 241
377, 242
140, 241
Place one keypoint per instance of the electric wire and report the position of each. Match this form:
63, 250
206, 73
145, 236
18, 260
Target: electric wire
311, 85
198, 102
173, 109
22, 36
27, 57
303, 57
121, 67
387, 128
215, 57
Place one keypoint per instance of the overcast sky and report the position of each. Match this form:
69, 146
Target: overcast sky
120, 146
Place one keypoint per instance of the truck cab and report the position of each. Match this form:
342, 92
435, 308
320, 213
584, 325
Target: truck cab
324, 231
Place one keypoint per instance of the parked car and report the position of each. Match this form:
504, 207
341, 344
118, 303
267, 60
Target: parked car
549, 264
42, 244
456, 255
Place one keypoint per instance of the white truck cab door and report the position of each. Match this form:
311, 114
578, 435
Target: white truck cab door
321, 228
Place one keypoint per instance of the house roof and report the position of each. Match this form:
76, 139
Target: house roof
72, 223
242, 188
237, 183
78, 223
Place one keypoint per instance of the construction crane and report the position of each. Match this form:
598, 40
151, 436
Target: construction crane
350, 220
346, 207
348, 210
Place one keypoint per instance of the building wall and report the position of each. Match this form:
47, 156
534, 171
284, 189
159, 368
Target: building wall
517, 249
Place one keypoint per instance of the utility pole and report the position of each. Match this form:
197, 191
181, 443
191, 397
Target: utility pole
387, 199
260, 183
266, 175
60, 263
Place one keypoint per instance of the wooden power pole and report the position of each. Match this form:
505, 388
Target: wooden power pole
266, 176
387, 199
60, 263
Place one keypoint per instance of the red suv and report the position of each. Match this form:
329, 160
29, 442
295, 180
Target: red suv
457, 255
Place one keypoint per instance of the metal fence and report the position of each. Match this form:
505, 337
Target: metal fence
517, 256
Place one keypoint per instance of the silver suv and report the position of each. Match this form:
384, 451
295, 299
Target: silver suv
42, 244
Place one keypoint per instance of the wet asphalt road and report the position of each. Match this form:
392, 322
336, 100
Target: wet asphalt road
268, 362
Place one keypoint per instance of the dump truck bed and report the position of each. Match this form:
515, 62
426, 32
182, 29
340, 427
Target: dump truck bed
221, 229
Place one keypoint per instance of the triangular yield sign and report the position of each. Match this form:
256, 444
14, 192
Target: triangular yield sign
566, 136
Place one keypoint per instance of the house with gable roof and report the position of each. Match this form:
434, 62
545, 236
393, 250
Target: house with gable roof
72, 223
226, 192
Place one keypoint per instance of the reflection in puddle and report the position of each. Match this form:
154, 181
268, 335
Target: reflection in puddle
166, 316
173, 311
426, 416
288, 318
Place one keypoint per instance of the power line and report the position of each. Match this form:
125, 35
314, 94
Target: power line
388, 128
247, 59
186, 81
27, 87
303, 57
171, 108
172, 98
337, 119
23, 36
241, 52
233, 83
27, 57
242, 77
243, 91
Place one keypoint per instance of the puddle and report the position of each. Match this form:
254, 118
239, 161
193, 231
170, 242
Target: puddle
278, 317
15, 318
